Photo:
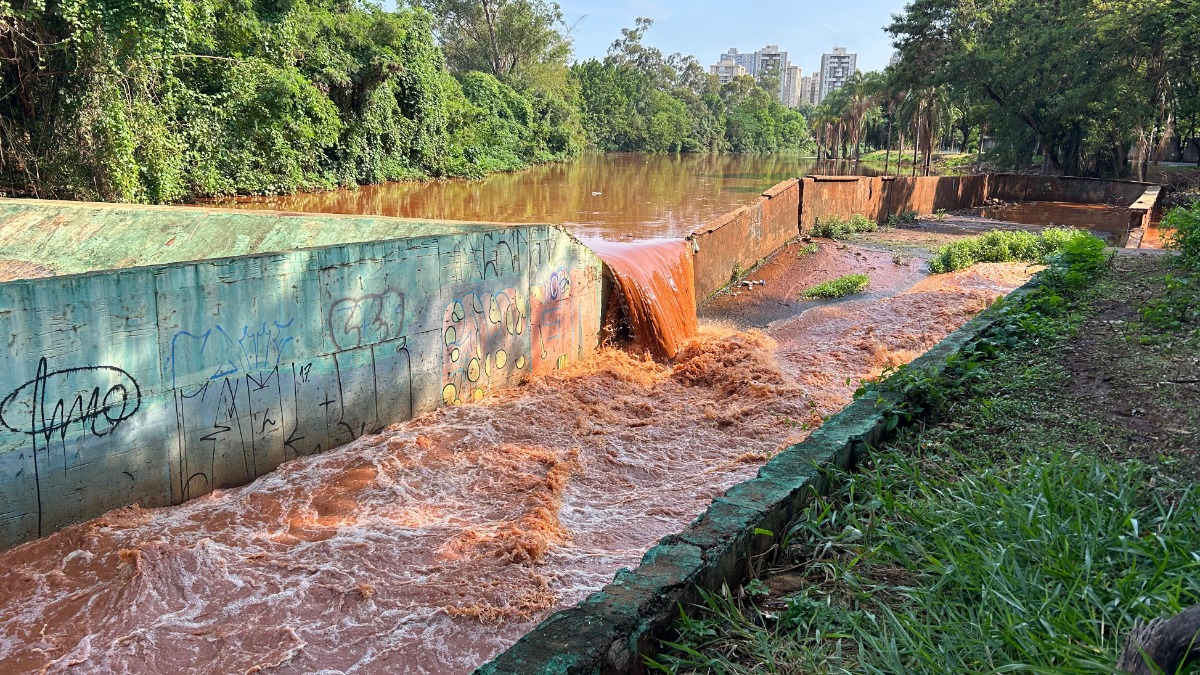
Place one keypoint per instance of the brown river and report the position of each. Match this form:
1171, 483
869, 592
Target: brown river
618, 196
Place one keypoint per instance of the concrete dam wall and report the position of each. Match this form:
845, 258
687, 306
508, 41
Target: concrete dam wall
159, 384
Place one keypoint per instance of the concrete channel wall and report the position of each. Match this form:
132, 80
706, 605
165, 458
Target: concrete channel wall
155, 385
739, 240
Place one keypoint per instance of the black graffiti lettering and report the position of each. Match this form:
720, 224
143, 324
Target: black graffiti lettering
57, 400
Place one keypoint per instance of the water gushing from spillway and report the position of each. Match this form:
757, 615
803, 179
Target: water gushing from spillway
658, 291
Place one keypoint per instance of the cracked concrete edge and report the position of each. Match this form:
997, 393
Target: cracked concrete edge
613, 629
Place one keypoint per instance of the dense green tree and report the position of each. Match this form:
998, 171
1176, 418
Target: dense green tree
164, 100
1080, 82
501, 37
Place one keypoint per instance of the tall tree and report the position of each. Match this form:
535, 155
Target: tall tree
501, 37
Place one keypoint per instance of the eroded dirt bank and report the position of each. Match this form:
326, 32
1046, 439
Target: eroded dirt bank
432, 546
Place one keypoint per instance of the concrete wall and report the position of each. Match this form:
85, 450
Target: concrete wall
155, 385
738, 240
881, 196
75, 237
1015, 188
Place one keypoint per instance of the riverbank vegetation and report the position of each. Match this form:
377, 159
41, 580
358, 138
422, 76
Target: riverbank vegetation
999, 246
834, 227
165, 101
1078, 87
1043, 500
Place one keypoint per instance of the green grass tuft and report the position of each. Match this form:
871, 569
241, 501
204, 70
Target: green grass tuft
838, 288
1005, 246
833, 227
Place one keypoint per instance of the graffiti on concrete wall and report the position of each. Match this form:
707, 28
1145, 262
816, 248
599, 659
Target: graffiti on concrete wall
226, 369
82, 400
559, 306
367, 319
482, 348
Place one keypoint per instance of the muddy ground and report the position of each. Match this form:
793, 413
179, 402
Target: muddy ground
1140, 381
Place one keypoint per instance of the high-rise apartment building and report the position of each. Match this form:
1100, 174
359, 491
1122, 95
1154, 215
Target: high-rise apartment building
747, 61
727, 70
810, 89
792, 78
836, 69
756, 63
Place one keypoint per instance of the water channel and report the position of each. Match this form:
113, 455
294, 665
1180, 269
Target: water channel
432, 546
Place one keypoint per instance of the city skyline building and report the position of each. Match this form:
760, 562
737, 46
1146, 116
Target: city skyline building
836, 69
726, 70
758, 62
792, 78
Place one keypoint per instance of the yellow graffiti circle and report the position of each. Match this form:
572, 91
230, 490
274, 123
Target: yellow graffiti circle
458, 313
562, 362
520, 362
449, 393
454, 354
501, 358
473, 370
451, 335
478, 395
494, 311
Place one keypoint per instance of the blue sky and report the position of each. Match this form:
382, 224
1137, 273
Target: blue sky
706, 28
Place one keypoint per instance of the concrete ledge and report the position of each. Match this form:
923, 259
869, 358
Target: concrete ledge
613, 629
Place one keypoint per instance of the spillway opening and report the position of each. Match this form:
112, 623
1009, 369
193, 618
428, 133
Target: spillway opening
653, 306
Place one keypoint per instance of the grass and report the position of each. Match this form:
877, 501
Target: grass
998, 533
838, 288
810, 249
943, 161
1004, 246
833, 227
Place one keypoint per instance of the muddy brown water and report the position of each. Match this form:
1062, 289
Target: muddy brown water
656, 283
615, 196
436, 544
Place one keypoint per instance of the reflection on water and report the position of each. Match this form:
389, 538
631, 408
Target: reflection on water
612, 196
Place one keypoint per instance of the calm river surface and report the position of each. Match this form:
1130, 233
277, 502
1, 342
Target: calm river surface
618, 196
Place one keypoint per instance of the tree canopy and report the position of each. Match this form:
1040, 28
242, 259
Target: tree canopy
171, 100
1080, 82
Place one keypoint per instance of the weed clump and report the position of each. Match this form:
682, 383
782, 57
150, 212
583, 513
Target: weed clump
838, 288
1006, 246
833, 227
1184, 224
901, 220
807, 250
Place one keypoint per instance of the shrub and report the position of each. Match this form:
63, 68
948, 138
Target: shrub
1007, 246
837, 288
1184, 224
834, 227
